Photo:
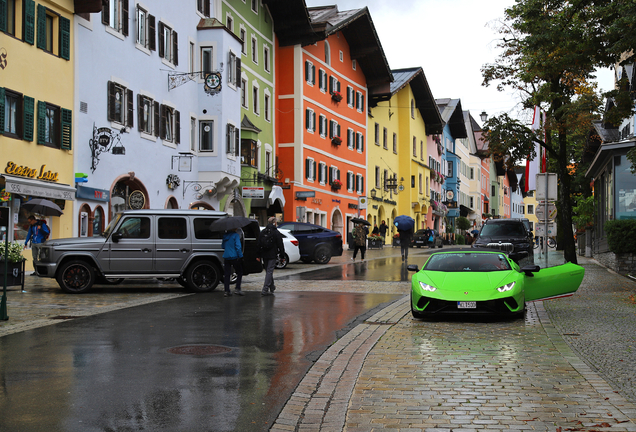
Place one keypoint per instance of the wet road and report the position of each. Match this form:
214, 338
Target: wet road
126, 370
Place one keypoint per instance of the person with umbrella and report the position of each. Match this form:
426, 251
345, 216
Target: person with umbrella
404, 225
270, 245
232, 257
38, 232
359, 240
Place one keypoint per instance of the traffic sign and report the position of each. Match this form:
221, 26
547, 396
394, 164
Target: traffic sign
539, 229
551, 187
542, 214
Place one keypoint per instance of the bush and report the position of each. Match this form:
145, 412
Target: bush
460, 239
15, 251
621, 235
463, 223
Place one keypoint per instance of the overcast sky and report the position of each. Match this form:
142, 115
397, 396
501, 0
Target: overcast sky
451, 40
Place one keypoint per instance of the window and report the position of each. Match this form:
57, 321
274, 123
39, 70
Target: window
334, 129
170, 124
7, 11
322, 126
322, 173
310, 120
120, 104
255, 100
229, 22
232, 140
254, 50
145, 115
49, 24
378, 179
421, 150
266, 107
244, 93
350, 96
54, 126
395, 143
350, 181
168, 44
11, 121
412, 108
203, 6
350, 138
310, 169
242, 36
327, 53
334, 174
172, 228
450, 169
206, 61
530, 209
359, 142
341, 56
266, 58
249, 150
334, 84
115, 15
377, 134
353, 64
255, 6
322, 80
193, 58
145, 29
310, 73
206, 135
193, 134
269, 170
234, 69
359, 183
385, 145
135, 227
386, 176
414, 147
359, 101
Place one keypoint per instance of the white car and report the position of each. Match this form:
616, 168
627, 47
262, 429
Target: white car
292, 251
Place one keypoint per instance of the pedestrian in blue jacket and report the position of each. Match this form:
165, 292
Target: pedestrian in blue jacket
38, 232
232, 257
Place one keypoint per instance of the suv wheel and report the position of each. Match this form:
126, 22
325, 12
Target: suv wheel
203, 276
323, 255
76, 277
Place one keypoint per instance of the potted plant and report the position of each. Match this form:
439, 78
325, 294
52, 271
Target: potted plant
15, 264
336, 140
336, 96
396, 239
336, 184
375, 241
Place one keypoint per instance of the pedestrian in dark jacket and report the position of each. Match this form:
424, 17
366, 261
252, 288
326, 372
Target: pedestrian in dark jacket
383, 228
232, 257
270, 254
405, 242
359, 241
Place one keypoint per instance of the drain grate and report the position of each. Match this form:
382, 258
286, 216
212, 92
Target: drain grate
199, 349
65, 317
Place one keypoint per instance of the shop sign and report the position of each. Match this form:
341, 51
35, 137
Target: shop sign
305, 194
25, 171
337, 201
253, 192
85, 192
354, 206
316, 201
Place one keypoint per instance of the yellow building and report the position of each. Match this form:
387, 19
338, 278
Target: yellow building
36, 111
397, 152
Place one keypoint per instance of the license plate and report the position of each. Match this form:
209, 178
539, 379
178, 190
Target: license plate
419, 241
466, 305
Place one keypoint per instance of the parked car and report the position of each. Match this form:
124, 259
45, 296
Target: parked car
145, 244
316, 243
420, 238
509, 235
292, 250
480, 281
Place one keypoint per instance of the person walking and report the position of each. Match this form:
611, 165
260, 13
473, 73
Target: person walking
383, 229
38, 232
232, 257
359, 241
270, 246
376, 230
405, 242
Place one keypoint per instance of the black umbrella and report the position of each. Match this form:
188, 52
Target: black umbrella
43, 207
361, 221
230, 223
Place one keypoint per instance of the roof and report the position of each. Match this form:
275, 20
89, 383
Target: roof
247, 125
424, 100
451, 112
291, 22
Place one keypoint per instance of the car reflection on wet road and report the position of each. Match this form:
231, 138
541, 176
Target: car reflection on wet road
200, 362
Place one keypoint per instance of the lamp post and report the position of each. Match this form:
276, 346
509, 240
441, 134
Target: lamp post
483, 116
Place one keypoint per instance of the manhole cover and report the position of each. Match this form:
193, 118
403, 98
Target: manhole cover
199, 349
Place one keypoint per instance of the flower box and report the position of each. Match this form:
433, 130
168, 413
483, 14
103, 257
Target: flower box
375, 244
336, 96
336, 141
336, 185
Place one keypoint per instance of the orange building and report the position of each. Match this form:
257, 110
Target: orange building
327, 67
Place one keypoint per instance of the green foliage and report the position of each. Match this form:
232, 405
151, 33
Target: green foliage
463, 223
460, 239
583, 211
14, 252
621, 235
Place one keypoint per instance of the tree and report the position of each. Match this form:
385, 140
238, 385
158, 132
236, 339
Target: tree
551, 49
463, 223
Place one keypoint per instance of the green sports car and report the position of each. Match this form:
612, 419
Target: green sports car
480, 281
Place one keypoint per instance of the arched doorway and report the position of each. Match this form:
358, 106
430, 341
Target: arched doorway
337, 222
128, 193
234, 205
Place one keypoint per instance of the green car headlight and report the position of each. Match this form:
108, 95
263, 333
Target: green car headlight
426, 287
506, 287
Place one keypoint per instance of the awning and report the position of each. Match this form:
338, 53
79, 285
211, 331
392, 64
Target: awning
27, 186
270, 197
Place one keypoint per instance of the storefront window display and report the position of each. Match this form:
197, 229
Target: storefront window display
98, 222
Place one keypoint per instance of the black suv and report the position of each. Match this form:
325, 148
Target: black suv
510, 235
316, 243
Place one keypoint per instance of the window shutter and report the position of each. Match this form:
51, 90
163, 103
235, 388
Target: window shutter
348, 181
313, 120
162, 41
238, 70
339, 132
111, 101
307, 161
157, 119
330, 175
338, 86
3, 16
106, 12
124, 17
28, 32
331, 127
313, 74
130, 120
2, 110
306, 71
228, 141
140, 112
163, 121
307, 114
175, 48
338, 174
152, 43
206, 8
331, 84
362, 102
29, 105
177, 127
361, 143
41, 122
67, 129
348, 95
41, 27
237, 142
65, 38
313, 163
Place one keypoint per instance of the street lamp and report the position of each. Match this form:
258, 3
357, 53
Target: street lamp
373, 193
483, 116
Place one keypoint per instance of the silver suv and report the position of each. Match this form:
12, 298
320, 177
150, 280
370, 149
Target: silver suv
145, 244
